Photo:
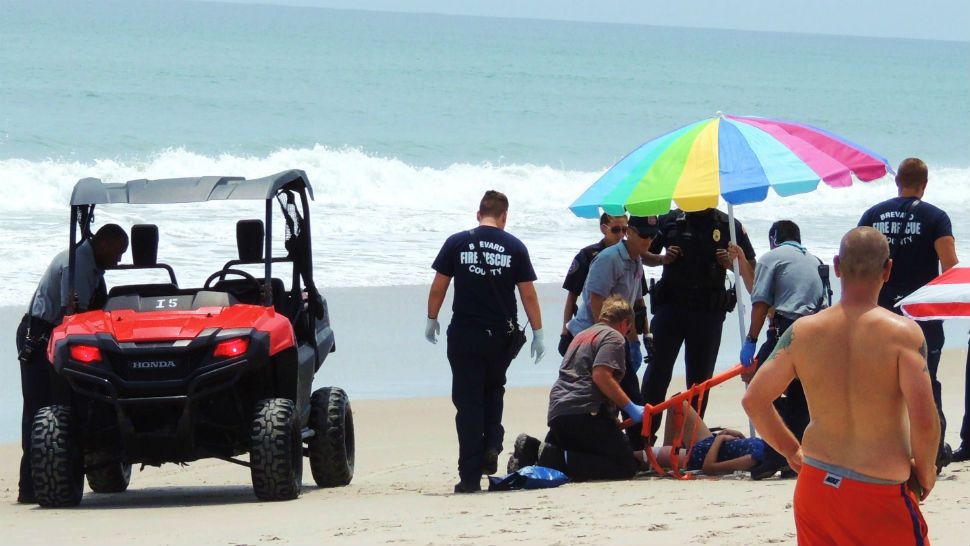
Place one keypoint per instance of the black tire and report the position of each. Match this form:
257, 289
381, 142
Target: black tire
332, 445
57, 466
107, 473
276, 450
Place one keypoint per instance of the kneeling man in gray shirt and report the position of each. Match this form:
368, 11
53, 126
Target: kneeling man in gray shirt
584, 441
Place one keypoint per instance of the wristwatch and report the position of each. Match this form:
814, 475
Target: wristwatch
750, 339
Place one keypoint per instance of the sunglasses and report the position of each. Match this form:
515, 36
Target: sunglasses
616, 230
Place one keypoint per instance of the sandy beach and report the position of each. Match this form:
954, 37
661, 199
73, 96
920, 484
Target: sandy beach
401, 494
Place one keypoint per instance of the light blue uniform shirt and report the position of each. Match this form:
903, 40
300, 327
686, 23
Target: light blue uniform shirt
613, 271
787, 279
50, 300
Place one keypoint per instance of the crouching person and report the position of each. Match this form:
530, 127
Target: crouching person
584, 441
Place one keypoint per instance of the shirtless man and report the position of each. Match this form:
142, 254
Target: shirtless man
874, 424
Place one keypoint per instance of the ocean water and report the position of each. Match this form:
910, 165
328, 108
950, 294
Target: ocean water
402, 121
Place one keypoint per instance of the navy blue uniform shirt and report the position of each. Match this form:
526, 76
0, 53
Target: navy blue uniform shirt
468, 256
912, 227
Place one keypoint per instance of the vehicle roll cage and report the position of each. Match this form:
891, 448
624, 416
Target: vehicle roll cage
90, 192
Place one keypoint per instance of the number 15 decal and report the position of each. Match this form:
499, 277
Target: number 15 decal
166, 303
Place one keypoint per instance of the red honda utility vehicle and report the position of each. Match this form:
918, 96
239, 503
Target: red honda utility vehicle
161, 373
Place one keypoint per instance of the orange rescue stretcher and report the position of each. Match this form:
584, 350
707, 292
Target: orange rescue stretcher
697, 391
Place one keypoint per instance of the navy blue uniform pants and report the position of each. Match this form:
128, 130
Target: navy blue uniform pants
594, 448
36, 389
965, 429
699, 331
478, 366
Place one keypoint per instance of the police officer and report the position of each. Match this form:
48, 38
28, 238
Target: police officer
795, 284
613, 229
487, 264
920, 244
50, 302
690, 300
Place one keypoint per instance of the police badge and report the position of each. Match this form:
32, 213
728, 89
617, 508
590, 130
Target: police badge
716, 235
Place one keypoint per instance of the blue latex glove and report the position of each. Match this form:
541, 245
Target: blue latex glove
748, 348
635, 355
538, 348
634, 411
431, 330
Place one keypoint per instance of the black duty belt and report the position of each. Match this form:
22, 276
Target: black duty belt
37, 325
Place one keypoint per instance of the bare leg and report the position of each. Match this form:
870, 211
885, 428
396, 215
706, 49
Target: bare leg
689, 437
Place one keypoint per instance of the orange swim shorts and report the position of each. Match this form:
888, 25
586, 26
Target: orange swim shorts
831, 509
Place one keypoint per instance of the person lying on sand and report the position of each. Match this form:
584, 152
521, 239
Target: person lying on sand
712, 453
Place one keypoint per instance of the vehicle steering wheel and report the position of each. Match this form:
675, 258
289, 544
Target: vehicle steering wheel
239, 272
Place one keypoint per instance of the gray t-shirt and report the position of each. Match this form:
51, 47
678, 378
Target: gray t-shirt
787, 279
613, 271
50, 299
574, 392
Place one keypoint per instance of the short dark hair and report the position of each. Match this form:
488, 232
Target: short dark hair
784, 230
605, 219
912, 173
111, 232
494, 204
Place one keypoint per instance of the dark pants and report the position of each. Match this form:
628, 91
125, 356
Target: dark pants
699, 331
965, 429
793, 407
478, 367
630, 385
595, 449
36, 389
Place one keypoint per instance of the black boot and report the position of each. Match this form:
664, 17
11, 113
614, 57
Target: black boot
770, 466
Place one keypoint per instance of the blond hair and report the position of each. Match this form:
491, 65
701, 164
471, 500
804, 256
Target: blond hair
615, 310
863, 254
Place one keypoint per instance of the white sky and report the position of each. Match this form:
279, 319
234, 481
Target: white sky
926, 19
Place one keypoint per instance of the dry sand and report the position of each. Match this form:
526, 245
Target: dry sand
401, 494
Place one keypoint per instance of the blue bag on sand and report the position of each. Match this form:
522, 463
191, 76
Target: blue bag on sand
528, 477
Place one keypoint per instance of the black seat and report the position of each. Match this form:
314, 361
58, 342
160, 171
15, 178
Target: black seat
144, 290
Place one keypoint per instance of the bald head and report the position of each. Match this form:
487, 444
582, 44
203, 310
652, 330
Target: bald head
863, 255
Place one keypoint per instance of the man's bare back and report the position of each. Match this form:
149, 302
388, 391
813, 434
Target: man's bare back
865, 377
849, 361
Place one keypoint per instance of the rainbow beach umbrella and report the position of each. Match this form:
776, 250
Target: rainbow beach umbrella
736, 158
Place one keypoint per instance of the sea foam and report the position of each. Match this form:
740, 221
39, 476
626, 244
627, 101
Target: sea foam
380, 221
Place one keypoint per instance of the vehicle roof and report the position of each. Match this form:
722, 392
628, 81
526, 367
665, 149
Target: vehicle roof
92, 191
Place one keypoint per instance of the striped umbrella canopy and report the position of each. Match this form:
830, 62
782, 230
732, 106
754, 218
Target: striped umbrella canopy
945, 297
734, 157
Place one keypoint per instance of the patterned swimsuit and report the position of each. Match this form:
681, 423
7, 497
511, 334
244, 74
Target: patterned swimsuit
731, 449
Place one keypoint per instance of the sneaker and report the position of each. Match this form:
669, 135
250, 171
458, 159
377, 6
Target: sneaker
468, 487
525, 453
490, 462
961, 454
551, 456
788, 474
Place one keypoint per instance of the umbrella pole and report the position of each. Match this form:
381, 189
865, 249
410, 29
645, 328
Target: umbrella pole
738, 284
